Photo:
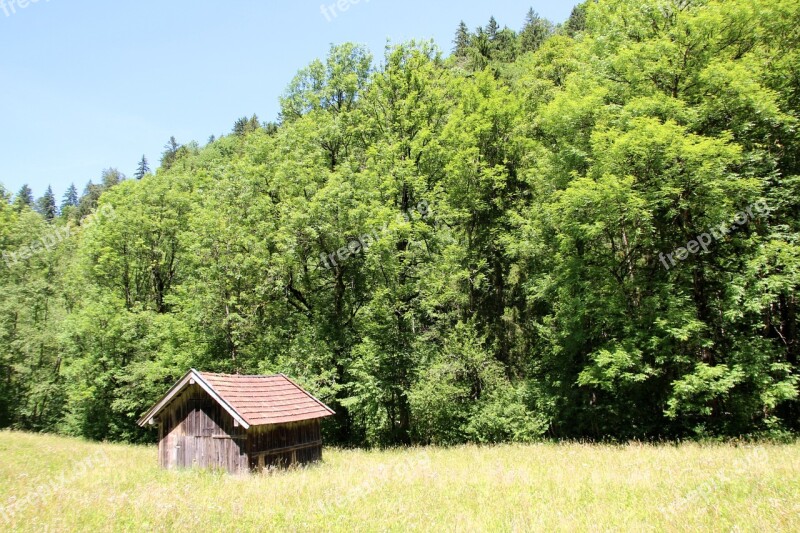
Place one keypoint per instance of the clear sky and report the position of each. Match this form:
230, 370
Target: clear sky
92, 84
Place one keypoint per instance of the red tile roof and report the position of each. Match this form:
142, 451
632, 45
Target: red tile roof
263, 400
250, 400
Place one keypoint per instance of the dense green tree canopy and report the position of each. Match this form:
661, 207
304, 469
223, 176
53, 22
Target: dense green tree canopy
577, 231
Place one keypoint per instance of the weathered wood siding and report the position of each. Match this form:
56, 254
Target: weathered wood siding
195, 431
284, 445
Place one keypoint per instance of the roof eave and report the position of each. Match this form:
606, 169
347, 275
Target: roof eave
278, 423
191, 376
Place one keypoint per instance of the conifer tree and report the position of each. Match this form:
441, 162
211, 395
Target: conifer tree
46, 205
253, 124
535, 32
492, 28
143, 169
170, 153
240, 126
245, 125
70, 198
89, 198
577, 20
462, 40
24, 198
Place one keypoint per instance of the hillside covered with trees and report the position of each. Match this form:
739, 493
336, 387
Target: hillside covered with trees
587, 230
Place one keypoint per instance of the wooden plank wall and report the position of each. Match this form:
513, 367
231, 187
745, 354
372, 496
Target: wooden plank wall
284, 445
196, 431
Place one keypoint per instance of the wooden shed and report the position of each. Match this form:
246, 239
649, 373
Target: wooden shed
237, 423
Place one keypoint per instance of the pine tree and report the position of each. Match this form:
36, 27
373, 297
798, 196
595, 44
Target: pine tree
245, 125
271, 128
480, 50
170, 153
143, 169
492, 28
577, 20
253, 124
505, 46
462, 40
240, 126
46, 205
24, 198
88, 201
70, 198
535, 32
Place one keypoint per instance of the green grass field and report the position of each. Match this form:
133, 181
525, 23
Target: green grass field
51, 483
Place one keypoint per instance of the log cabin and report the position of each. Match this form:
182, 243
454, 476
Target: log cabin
237, 423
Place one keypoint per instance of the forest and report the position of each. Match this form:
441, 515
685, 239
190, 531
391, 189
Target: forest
587, 230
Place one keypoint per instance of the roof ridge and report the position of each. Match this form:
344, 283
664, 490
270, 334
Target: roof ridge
252, 400
241, 375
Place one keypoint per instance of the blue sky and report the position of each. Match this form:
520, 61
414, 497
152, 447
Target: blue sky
91, 84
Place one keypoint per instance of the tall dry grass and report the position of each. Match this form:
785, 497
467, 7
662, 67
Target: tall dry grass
51, 483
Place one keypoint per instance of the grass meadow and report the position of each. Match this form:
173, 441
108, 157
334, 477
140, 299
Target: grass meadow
50, 483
